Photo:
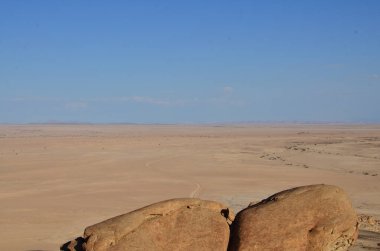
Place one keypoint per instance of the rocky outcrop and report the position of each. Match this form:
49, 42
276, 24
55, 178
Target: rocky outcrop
178, 224
309, 218
317, 217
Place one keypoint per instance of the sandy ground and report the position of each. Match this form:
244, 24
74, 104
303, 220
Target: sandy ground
57, 179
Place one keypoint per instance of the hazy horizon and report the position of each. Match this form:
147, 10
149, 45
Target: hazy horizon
153, 62
231, 123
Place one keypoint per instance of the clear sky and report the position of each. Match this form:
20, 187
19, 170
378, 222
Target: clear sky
189, 61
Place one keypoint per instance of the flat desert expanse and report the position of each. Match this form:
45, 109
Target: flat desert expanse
57, 179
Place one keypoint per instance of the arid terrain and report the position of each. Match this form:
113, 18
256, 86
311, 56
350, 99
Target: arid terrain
57, 179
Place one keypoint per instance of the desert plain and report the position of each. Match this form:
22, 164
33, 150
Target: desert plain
57, 179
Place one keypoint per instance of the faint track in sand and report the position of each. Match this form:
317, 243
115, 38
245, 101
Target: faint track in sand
194, 194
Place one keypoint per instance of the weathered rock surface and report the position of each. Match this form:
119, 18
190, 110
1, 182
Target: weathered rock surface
316, 217
369, 234
178, 224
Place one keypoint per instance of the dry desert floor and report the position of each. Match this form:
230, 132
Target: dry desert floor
57, 179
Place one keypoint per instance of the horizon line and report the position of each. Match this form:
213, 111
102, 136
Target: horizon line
199, 123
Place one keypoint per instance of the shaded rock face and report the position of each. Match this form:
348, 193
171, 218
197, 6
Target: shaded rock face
316, 217
178, 224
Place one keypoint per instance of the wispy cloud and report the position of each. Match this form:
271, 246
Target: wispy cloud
227, 89
375, 76
148, 100
226, 98
335, 66
135, 99
76, 105
31, 99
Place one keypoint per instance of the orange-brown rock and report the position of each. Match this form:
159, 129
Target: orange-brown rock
316, 217
178, 224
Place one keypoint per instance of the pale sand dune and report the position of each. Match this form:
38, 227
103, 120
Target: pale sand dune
57, 179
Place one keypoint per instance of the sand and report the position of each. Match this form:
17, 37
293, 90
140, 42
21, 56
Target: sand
57, 179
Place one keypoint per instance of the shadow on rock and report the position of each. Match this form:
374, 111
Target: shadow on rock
74, 245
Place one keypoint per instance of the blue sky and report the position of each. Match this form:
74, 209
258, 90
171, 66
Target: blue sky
189, 61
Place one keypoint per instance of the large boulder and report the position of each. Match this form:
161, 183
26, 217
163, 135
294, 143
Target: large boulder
177, 224
316, 217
